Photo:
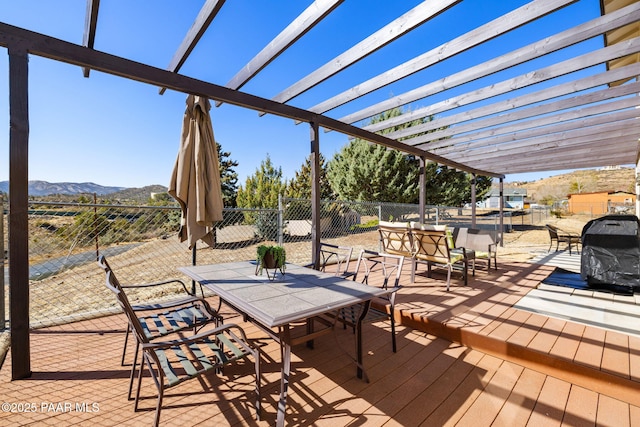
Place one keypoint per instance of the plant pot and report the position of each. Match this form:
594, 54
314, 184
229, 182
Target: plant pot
269, 261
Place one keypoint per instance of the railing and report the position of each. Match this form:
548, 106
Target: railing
141, 245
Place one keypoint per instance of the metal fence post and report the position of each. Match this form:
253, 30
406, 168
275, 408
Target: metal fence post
2, 310
280, 222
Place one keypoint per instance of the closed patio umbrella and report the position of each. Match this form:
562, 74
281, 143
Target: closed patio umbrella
195, 181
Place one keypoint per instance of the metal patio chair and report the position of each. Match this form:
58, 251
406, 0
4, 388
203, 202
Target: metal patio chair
560, 236
383, 270
340, 256
163, 318
175, 361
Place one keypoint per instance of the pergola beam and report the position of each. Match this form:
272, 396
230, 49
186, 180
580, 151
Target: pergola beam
562, 89
296, 29
407, 22
59, 50
567, 139
589, 116
474, 130
559, 69
206, 15
482, 34
588, 150
90, 26
535, 50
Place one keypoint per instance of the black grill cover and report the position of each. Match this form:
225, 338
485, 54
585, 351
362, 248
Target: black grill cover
611, 251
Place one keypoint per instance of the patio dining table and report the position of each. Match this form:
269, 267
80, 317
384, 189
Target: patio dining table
301, 294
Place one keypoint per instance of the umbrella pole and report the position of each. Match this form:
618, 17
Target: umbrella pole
193, 262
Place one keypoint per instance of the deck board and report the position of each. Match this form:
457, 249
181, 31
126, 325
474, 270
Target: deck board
465, 358
520, 403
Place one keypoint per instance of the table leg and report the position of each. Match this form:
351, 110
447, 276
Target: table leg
360, 370
285, 353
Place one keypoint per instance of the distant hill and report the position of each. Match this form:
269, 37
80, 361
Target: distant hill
44, 188
588, 181
140, 194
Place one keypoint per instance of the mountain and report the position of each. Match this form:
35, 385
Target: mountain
141, 194
44, 188
580, 181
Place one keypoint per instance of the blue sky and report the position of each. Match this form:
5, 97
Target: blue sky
117, 132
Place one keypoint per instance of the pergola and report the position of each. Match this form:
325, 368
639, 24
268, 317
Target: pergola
578, 111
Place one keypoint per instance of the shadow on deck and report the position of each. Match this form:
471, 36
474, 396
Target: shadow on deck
465, 357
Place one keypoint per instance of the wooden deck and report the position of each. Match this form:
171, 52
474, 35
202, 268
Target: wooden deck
465, 357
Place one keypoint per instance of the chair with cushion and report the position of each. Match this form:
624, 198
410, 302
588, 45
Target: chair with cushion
561, 236
382, 270
178, 358
484, 244
158, 320
459, 246
430, 246
395, 238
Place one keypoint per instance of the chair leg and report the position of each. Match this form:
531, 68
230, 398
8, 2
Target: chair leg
449, 276
135, 404
156, 422
393, 330
256, 356
133, 369
126, 339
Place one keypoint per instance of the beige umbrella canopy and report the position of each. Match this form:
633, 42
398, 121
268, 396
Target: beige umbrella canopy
195, 181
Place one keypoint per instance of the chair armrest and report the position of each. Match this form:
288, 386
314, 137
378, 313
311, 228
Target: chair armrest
563, 233
174, 304
159, 283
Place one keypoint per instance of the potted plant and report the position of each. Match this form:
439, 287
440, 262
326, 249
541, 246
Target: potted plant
270, 257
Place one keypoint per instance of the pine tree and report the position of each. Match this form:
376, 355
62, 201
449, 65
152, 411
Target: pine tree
228, 177
261, 190
300, 186
362, 171
448, 187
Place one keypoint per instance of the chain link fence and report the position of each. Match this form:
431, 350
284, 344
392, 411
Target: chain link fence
595, 209
142, 246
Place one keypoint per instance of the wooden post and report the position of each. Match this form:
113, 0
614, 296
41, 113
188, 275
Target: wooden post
316, 229
473, 200
2, 308
501, 228
637, 187
18, 213
422, 196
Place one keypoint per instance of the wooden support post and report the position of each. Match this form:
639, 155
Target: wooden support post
473, 200
18, 213
501, 228
422, 196
316, 229
637, 187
